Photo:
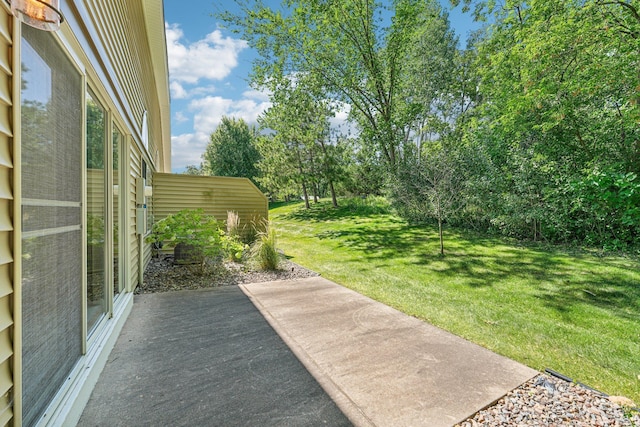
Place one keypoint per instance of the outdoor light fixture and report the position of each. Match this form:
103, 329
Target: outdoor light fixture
42, 14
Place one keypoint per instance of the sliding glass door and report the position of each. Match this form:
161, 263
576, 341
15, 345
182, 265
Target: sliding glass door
97, 291
51, 179
117, 204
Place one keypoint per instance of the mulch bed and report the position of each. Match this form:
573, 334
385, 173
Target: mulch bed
162, 275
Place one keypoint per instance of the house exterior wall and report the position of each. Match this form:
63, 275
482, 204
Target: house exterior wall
7, 295
215, 194
118, 47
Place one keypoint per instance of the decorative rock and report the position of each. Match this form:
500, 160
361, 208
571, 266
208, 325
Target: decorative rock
549, 401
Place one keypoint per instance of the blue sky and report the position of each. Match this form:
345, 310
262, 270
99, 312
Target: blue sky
208, 70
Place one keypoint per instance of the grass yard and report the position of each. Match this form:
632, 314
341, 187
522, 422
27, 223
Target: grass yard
576, 313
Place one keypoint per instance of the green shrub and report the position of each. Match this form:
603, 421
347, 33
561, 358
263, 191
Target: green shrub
202, 233
233, 247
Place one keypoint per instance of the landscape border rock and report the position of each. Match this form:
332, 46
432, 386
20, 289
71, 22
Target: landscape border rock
551, 401
162, 275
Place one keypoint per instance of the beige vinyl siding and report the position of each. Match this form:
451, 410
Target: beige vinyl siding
216, 195
6, 221
135, 170
150, 203
96, 197
129, 48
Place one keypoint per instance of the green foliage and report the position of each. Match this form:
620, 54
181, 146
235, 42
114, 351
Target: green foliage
231, 151
264, 250
96, 134
429, 187
199, 231
542, 98
95, 229
370, 205
233, 247
607, 203
558, 99
194, 170
299, 155
346, 49
366, 171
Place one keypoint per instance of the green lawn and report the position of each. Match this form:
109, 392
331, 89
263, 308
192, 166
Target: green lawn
576, 313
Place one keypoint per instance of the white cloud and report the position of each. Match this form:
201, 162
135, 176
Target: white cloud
211, 58
177, 91
258, 95
192, 69
179, 117
202, 90
187, 149
210, 110
340, 123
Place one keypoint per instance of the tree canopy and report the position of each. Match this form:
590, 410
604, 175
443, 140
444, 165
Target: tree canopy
532, 130
231, 151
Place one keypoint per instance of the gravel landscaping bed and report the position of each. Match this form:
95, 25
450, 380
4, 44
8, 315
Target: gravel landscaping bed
162, 275
550, 401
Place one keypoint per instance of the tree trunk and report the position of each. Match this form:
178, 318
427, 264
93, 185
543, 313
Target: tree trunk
441, 236
334, 199
305, 193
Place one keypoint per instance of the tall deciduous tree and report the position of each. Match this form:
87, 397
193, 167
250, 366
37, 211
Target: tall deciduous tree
350, 46
299, 120
429, 79
231, 150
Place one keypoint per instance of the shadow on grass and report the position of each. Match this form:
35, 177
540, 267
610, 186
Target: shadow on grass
353, 208
275, 205
560, 280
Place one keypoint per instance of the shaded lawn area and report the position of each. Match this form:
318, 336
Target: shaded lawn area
573, 312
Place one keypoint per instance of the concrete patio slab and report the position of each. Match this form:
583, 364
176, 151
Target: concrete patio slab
382, 367
204, 358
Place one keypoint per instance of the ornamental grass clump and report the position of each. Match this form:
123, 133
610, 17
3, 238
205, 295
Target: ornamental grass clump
264, 250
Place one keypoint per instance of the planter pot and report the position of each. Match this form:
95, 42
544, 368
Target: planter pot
185, 253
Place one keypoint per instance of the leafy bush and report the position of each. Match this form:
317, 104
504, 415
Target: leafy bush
95, 229
370, 205
233, 248
264, 250
202, 233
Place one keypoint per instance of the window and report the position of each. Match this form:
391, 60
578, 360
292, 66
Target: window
97, 245
118, 241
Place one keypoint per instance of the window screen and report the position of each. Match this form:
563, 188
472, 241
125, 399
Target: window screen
51, 121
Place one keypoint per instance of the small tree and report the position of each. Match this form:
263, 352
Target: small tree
430, 189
